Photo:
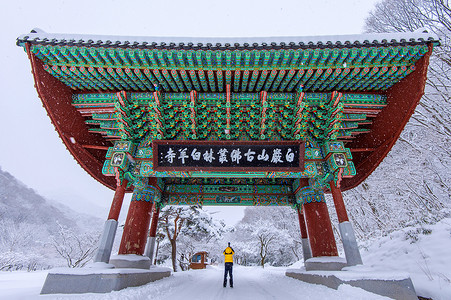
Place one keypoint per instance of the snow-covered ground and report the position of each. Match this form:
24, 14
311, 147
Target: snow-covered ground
423, 252
249, 283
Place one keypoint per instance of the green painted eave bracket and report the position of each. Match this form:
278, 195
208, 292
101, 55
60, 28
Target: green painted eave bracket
228, 60
132, 116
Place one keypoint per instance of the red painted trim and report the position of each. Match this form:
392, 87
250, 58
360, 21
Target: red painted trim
319, 228
56, 99
402, 99
93, 110
303, 182
361, 111
362, 149
105, 148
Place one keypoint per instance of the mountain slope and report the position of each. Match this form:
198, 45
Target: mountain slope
31, 226
20, 204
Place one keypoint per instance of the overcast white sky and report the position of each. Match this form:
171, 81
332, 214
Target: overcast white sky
31, 150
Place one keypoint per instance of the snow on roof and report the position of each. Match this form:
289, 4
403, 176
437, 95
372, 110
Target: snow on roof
38, 36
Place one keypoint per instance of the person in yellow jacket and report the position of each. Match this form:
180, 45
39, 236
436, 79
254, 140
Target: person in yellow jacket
228, 262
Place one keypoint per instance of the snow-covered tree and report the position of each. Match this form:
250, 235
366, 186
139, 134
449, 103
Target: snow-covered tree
188, 229
412, 185
434, 16
267, 235
21, 245
77, 249
27, 224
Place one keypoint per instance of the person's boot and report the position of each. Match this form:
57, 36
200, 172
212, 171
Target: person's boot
231, 283
225, 283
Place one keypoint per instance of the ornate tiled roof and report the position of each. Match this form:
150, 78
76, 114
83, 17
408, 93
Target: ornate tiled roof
37, 36
371, 62
357, 90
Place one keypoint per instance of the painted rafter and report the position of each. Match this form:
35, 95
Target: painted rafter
158, 113
264, 106
193, 96
122, 115
300, 105
80, 68
228, 108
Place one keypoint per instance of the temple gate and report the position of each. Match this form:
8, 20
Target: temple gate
229, 121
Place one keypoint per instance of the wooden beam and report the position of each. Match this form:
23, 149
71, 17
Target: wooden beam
362, 149
227, 132
95, 147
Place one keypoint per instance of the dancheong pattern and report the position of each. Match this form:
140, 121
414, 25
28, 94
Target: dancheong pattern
133, 93
359, 69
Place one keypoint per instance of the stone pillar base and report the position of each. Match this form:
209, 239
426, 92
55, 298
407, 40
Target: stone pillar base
350, 246
150, 247
325, 263
130, 261
306, 251
106, 241
388, 284
77, 281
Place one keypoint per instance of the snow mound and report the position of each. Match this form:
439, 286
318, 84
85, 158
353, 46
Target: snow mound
422, 251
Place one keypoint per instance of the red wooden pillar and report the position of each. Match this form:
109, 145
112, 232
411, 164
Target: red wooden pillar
339, 203
134, 236
319, 227
109, 230
118, 198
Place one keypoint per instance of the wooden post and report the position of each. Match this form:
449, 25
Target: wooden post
118, 198
350, 246
339, 203
109, 230
138, 218
135, 228
319, 227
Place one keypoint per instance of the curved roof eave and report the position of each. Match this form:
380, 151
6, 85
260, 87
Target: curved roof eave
387, 127
37, 36
69, 124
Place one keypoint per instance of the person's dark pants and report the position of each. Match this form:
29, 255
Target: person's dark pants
228, 269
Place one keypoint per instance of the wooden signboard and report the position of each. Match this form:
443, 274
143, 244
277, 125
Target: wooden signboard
253, 156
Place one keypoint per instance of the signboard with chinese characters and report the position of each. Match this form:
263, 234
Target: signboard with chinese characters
228, 156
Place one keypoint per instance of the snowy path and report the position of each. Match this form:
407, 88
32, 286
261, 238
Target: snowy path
250, 283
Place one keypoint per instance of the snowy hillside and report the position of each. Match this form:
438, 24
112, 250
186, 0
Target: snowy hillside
31, 225
20, 204
422, 251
